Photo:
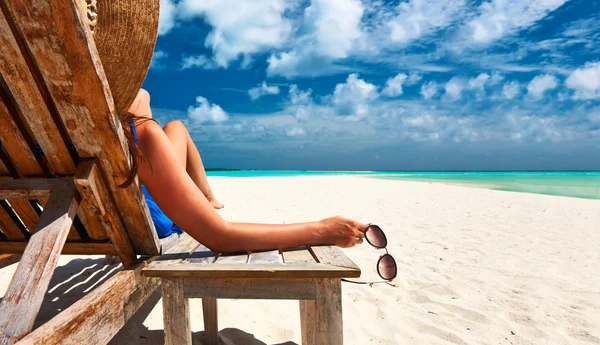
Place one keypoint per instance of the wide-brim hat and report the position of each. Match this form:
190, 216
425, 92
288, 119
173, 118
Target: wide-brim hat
125, 33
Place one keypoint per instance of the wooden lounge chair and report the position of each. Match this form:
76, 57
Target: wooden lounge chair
63, 156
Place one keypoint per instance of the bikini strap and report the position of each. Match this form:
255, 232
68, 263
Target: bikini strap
133, 131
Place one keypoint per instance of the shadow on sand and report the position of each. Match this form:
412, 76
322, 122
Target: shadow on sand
79, 277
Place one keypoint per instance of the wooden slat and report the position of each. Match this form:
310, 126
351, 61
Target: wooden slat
308, 321
8, 227
8, 259
30, 188
176, 253
176, 313
333, 256
102, 209
72, 248
250, 288
15, 144
189, 270
97, 317
26, 212
3, 170
231, 258
202, 255
211, 324
32, 110
59, 40
24, 296
269, 257
298, 255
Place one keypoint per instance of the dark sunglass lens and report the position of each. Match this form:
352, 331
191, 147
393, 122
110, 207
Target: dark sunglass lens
387, 267
375, 236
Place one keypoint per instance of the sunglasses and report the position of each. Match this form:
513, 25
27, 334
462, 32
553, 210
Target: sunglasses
386, 265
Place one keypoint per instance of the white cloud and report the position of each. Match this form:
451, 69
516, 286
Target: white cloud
263, 90
428, 90
329, 32
413, 78
197, 61
585, 81
417, 18
501, 18
166, 20
352, 98
454, 88
511, 90
240, 28
495, 79
393, 86
157, 60
296, 132
540, 84
205, 112
479, 82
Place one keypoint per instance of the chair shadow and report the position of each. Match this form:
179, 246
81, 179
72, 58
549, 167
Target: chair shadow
71, 282
81, 276
135, 333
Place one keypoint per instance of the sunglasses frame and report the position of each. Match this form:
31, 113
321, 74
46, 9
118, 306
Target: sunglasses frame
386, 280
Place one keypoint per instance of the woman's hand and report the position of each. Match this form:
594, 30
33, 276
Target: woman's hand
342, 232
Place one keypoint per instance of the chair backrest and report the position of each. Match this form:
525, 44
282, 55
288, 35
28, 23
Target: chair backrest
57, 120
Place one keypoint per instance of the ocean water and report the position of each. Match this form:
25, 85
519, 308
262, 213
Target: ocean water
573, 184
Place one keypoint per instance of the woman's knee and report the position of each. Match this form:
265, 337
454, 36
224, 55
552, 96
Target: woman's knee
175, 126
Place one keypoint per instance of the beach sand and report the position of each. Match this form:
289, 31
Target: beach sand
475, 266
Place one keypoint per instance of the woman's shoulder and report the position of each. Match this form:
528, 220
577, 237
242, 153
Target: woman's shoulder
141, 105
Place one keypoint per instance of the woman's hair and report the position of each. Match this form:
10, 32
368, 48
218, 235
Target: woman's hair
135, 154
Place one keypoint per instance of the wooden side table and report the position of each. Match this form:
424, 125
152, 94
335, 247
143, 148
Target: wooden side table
311, 275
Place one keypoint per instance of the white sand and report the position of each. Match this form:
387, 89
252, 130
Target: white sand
475, 266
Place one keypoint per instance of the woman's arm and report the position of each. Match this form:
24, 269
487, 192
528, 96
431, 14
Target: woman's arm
181, 200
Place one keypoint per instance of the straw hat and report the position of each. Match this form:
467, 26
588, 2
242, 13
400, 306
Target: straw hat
125, 33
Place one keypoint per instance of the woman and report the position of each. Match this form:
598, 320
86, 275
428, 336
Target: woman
172, 172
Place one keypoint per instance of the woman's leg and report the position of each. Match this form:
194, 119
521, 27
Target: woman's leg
190, 158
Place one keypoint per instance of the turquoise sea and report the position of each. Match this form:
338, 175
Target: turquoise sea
561, 183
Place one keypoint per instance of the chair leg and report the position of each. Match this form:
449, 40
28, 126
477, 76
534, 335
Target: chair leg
328, 307
211, 328
176, 313
308, 321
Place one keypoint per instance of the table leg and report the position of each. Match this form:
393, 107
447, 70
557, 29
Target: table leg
329, 328
176, 313
211, 328
308, 321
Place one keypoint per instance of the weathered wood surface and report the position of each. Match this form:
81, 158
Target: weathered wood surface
101, 207
15, 144
176, 253
270, 257
176, 313
63, 53
30, 188
202, 255
211, 321
25, 96
194, 270
334, 256
26, 212
97, 317
308, 322
249, 288
8, 226
70, 248
232, 258
24, 296
299, 263
8, 259
328, 312
298, 255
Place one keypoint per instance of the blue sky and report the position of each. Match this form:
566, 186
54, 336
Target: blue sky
383, 85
